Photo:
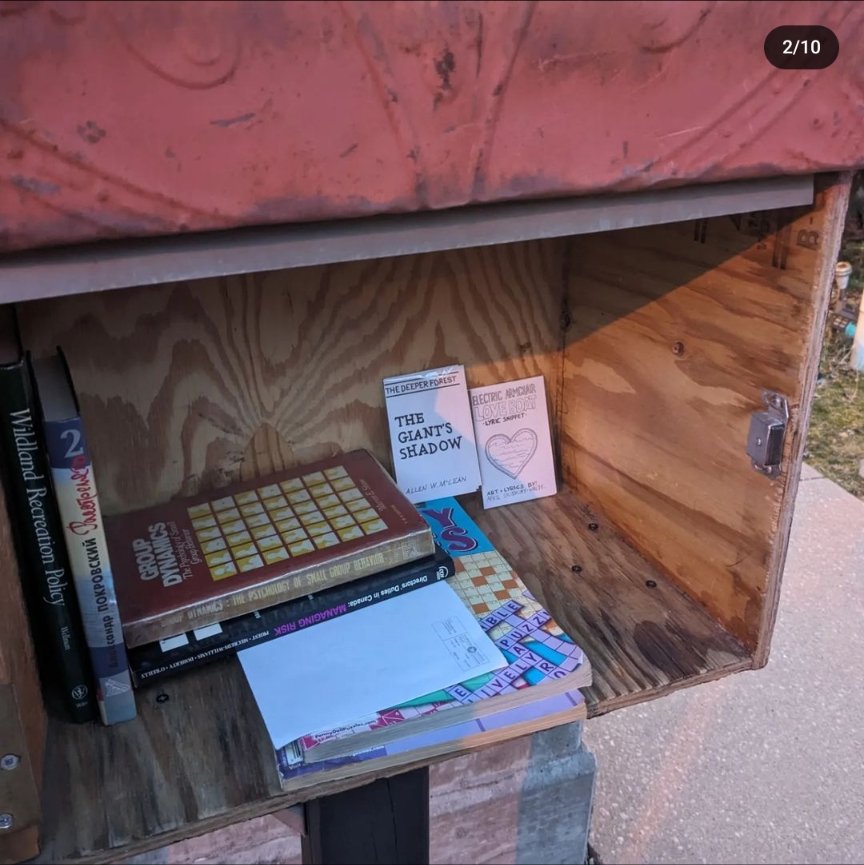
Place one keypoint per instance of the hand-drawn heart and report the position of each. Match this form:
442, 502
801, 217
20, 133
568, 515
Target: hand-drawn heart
511, 454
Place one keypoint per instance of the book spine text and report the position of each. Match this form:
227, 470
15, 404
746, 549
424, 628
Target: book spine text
167, 657
75, 487
44, 562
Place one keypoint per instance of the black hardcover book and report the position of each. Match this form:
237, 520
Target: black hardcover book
155, 661
41, 549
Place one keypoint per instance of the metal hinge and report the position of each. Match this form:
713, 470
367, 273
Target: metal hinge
767, 434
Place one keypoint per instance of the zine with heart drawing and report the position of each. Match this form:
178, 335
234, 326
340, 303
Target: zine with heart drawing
511, 425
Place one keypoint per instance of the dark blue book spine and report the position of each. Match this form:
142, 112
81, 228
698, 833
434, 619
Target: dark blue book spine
155, 661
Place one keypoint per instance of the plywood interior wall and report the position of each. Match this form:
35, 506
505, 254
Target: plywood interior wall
674, 333
190, 385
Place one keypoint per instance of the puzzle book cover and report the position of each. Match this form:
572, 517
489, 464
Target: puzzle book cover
198, 561
514, 445
542, 659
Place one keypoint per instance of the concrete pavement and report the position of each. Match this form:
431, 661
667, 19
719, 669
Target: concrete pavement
760, 767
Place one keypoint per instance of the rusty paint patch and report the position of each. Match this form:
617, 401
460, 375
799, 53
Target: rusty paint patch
395, 77
35, 185
231, 121
91, 132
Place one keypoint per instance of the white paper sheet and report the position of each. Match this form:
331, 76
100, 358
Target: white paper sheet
371, 659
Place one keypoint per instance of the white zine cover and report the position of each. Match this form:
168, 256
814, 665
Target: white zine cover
514, 446
431, 433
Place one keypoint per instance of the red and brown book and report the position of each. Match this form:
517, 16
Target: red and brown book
198, 561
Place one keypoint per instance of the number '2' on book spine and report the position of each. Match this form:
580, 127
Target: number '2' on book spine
77, 498
45, 565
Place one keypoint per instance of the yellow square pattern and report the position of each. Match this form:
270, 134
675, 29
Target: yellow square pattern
228, 515
328, 540
335, 511
258, 520
277, 554
269, 543
314, 517
204, 522
250, 564
214, 545
276, 522
342, 522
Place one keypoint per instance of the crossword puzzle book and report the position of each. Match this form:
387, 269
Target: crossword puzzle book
542, 659
198, 561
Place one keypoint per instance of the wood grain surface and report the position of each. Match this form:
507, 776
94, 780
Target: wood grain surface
22, 731
675, 331
829, 222
181, 386
198, 757
657, 555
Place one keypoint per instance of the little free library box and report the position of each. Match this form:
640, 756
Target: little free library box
307, 199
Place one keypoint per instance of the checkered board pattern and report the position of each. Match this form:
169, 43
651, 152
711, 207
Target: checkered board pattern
281, 521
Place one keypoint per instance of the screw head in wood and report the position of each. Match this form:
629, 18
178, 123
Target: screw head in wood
9, 762
678, 349
7, 821
592, 527
577, 569
652, 584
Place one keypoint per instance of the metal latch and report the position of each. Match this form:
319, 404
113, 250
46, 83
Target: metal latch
767, 433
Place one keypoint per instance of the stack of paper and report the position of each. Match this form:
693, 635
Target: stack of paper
528, 680
348, 668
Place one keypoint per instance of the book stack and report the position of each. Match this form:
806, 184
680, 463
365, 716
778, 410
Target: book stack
59, 536
206, 576
148, 594
538, 684
141, 596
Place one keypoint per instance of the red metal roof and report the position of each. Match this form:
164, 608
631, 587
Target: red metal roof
135, 118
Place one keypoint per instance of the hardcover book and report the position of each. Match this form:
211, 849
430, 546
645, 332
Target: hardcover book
175, 654
81, 515
198, 561
542, 660
44, 563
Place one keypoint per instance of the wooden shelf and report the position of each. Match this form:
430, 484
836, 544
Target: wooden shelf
198, 756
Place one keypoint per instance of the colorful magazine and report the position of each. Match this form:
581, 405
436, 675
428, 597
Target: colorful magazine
541, 657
